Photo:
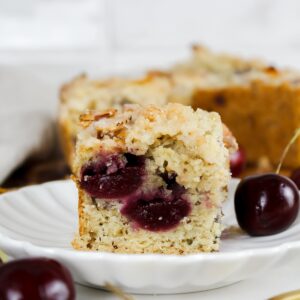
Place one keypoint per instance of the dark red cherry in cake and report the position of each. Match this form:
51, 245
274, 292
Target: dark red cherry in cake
237, 162
113, 176
266, 204
157, 213
295, 176
35, 279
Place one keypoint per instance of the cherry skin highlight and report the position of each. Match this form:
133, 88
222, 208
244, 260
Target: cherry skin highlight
113, 176
36, 279
237, 162
266, 204
296, 177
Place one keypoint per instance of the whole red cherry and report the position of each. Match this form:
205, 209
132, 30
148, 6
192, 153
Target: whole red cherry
237, 162
296, 177
35, 279
266, 204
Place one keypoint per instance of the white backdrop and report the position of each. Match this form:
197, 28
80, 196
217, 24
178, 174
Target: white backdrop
121, 33
44, 43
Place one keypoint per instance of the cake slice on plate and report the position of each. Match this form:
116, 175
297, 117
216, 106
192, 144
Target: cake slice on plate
151, 180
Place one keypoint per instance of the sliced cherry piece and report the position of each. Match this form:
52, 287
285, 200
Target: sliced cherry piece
296, 177
237, 162
35, 279
113, 176
157, 214
266, 204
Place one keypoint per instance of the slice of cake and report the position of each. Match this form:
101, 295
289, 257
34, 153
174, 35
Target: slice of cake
151, 180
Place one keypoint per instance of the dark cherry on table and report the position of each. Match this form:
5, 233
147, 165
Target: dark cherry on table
266, 204
35, 279
237, 162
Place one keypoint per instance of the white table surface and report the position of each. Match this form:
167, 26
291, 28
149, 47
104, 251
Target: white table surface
282, 278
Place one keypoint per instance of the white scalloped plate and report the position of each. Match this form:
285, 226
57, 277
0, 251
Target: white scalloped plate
41, 220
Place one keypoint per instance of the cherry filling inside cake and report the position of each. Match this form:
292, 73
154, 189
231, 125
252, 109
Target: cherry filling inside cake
157, 213
123, 178
113, 175
151, 180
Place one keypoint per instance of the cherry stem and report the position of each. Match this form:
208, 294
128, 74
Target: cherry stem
287, 148
3, 257
3, 190
117, 291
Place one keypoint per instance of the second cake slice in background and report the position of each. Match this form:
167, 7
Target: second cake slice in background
259, 103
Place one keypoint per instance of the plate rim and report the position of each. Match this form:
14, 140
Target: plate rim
91, 255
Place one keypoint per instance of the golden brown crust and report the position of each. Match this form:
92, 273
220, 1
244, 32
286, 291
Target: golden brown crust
87, 118
262, 117
229, 140
81, 216
67, 88
67, 141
